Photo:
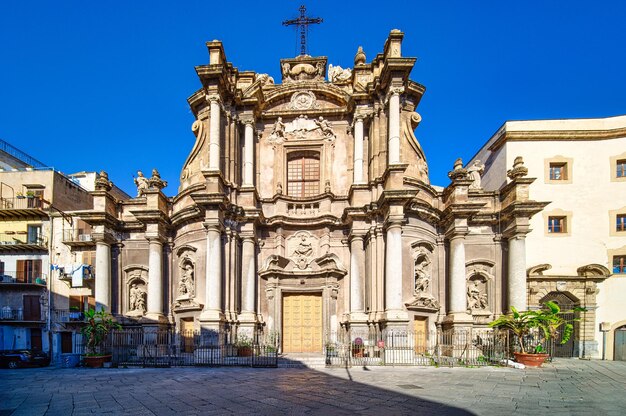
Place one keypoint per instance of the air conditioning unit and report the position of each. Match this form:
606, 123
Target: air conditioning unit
84, 237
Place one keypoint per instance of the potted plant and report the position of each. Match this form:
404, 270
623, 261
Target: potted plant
546, 322
244, 346
98, 325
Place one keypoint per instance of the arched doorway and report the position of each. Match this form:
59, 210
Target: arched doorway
619, 344
566, 303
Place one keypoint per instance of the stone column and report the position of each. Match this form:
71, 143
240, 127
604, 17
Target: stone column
393, 268
155, 279
357, 275
248, 159
103, 275
214, 133
394, 125
248, 278
358, 150
516, 290
458, 283
213, 286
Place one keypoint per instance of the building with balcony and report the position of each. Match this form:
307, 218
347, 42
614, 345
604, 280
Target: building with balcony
576, 249
30, 198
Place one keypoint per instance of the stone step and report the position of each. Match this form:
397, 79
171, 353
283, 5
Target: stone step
301, 361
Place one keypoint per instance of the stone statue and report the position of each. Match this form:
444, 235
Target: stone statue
325, 127
286, 68
264, 79
141, 182
137, 299
320, 69
338, 74
476, 299
475, 171
278, 132
186, 284
422, 276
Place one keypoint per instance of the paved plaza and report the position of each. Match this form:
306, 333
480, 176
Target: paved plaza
566, 387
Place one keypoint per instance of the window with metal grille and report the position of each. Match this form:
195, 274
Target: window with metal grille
556, 225
303, 174
619, 264
620, 168
620, 222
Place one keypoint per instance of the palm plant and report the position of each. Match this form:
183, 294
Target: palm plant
547, 320
99, 324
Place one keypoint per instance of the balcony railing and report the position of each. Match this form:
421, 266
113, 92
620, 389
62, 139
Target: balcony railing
24, 202
67, 315
24, 278
14, 239
75, 236
8, 313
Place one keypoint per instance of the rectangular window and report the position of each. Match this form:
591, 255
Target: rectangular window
620, 168
303, 175
619, 264
557, 225
28, 271
558, 171
620, 222
34, 234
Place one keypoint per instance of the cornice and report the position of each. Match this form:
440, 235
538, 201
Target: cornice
556, 135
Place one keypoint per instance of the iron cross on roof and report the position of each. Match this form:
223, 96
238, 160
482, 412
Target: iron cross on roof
303, 22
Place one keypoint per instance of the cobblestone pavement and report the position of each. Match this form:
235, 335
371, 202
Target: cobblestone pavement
566, 387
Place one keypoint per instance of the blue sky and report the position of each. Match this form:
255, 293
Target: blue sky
88, 85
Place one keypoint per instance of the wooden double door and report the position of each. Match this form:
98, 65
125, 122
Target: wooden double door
302, 322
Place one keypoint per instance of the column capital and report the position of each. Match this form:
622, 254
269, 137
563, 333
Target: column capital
213, 226
103, 238
155, 239
214, 97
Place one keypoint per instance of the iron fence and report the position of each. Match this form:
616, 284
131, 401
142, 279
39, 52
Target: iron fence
472, 347
171, 348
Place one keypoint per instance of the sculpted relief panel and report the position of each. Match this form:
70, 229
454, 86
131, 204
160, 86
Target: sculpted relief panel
136, 291
302, 248
423, 293
302, 128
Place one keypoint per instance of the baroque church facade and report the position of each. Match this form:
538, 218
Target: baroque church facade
305, 209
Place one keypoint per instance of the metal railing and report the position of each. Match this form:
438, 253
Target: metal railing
23, 277
75, 236
471, 347
15, 239
18, 154
171, 348
67, 315
8, 313
24, 202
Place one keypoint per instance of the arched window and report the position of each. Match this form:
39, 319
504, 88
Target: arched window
303, 174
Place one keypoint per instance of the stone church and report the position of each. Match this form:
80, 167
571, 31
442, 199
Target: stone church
305, 209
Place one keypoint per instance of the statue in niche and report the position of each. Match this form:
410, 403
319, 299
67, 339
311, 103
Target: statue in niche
475, 171
186, 287
325, 127
422, 276
141, 182
137, 304
475, 298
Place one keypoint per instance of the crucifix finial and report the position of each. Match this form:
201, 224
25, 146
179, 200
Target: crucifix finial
303, 23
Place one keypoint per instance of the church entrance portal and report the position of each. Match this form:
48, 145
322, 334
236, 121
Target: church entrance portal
302, 322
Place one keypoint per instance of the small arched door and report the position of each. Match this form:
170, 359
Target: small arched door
619, 344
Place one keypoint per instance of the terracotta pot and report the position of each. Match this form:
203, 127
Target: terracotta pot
96, 361
530, 360
244, 351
